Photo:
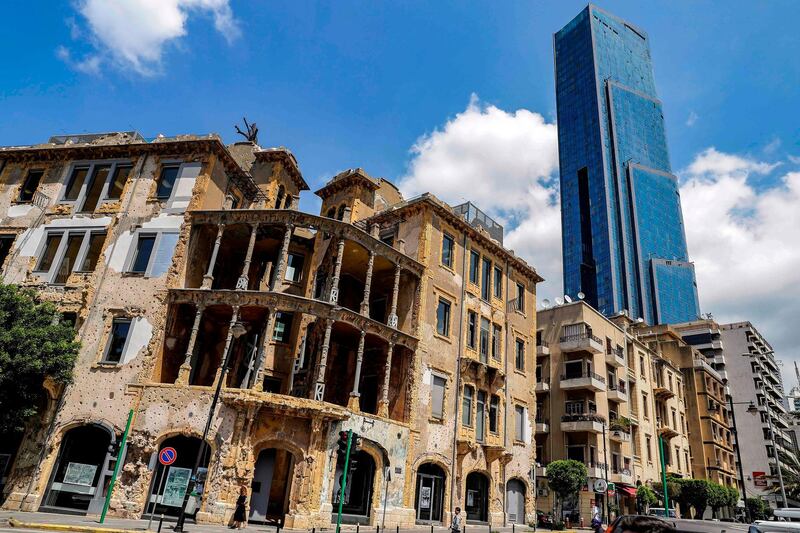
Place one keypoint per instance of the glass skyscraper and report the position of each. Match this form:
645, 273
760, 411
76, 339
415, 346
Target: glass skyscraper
624, 244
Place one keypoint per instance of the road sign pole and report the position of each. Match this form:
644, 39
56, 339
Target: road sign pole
117, 466
344, 480
160, 491
664, 476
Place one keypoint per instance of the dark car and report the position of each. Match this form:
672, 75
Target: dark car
616, 525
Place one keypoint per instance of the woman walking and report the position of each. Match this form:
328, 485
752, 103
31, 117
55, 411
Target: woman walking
239, 515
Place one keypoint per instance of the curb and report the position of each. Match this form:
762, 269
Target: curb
12, 522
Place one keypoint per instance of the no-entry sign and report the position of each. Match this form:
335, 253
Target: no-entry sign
167, 456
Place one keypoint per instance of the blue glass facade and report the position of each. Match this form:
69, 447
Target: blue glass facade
624, 244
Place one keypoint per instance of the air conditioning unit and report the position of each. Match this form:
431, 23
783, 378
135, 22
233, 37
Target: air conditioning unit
542, 492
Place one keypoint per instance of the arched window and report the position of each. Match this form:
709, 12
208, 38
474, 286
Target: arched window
340, 213
331, 212
279, 199
287, 203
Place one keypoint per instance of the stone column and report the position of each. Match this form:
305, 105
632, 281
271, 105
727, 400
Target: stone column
280, 269
383, 403
266, 349
354, 403
319, 387
298, 362
186, 367
375, 230
337, 272
242, 283
367, 285
393, 314
208, 279
228, 340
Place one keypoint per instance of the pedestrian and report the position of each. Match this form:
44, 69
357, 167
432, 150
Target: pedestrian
239, 515
597, 523
455, 525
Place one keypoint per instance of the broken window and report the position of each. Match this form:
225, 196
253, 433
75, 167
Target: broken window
96, 241
95, 188
60, 257
472, 328
30, 185
118, 337
166, 181
152, 254
49, 253
443, 318
448, 245
75, 183
69, 258
494, 408
294, 268
466, 406
484, 348
474, 266
283, 327
118, 181
498, 282
340, 212
519, 360
279, 198
6, 242
91, 183
437, 396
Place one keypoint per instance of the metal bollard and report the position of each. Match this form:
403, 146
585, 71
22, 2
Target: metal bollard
431, 528
398, 528
357, 526
513, 528
160, 522
313, 530
278, 528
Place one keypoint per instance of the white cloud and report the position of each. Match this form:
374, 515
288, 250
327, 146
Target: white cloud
745, 243
133, 33
795, 160
88, 65
505, 163
691, 120
772, 146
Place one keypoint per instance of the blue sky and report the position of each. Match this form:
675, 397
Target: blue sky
453, 97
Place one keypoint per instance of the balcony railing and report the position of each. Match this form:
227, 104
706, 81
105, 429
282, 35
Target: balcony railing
584, 417
583, 374
580, 337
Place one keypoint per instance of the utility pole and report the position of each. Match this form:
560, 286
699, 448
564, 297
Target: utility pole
344, 479
664, 475
775, 451
117, 465
739, 459
605, 470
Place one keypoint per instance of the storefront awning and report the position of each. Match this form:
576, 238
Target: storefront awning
627, 491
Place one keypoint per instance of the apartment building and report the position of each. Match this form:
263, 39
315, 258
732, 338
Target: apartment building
707, 420
705, 336
604, 398
186, 264
754, 377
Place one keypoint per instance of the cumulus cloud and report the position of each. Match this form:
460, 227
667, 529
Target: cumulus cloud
134, 33
745, 243
505, 163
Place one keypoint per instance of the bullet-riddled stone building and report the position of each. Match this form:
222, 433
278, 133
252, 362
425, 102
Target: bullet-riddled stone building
405, 320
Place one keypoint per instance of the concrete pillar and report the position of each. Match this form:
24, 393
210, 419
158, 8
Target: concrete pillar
208, 279
354, 403
319, 387
228, 340
266, 350
395, 290
375, 230
367, 285
280, 270
186, 367
383, 403
337, 272
242, 283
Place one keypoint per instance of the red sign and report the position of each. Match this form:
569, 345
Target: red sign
760, 479
167, 456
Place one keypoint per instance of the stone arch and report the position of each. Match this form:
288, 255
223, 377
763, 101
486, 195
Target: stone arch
278, 465
478, 490
517, 504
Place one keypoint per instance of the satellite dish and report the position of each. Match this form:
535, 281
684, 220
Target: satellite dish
640, 320
559, 300
581, 296
546, 303
567, 298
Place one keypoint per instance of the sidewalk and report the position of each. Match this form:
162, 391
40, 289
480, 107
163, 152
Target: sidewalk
91, 524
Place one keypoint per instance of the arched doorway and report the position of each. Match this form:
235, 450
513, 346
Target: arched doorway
358, 491
81, 470
9, 445
477, 501
430, 493
272, 482
169, 483
515, 501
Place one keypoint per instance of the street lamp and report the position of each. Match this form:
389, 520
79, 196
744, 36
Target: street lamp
752, 409
237, 330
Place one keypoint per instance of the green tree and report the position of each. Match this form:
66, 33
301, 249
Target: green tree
34, 344
758, 509
717, 497
565, 478
673, 488
645, 497
695, 492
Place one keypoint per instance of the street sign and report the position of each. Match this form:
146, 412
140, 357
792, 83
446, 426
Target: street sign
611, 487
600, 485
167, 456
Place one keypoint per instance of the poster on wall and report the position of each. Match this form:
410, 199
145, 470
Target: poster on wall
175, 486
80, 474
759, 479
425, 497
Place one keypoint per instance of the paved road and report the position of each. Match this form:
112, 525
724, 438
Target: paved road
705, 526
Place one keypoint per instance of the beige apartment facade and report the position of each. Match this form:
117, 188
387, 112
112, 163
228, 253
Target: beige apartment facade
599, 403
405, 321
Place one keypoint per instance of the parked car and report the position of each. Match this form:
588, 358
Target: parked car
661, 513
613, 528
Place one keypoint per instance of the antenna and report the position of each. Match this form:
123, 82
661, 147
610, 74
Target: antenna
546, 303
559, 300
567, 298
581, 296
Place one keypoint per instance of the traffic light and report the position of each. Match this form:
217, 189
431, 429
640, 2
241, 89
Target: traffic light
341, 445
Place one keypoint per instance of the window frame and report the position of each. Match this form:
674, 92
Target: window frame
22, 185
446, 330
497, 343
435, 376
287, 331
494, 404
474, 266
91, 164
109, 341
298, 271
471, 422
484, 350
132, 251
486, 278
50, 274
519, 300
447, 238
497, 282
520, 410
519, 342
472, 329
